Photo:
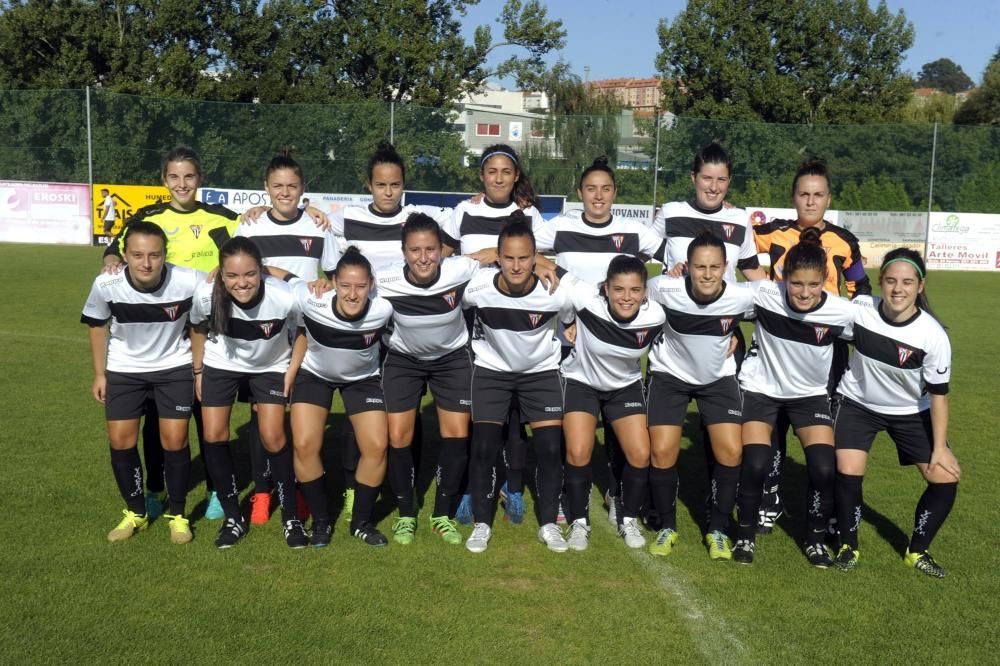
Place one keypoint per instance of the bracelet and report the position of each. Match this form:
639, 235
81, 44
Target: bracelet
198, 371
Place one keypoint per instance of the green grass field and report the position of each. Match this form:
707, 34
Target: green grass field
68, 595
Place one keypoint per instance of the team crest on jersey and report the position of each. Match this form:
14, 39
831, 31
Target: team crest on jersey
904, 354
821, 332
450, 299
618, 240
640, 336
196, 230
171, 311
728, 229
534, 318
369, 337
267, 327
306, 243
726, 323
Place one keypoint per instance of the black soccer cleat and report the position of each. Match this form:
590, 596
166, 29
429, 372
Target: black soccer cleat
295, 534
370, 535
322, 532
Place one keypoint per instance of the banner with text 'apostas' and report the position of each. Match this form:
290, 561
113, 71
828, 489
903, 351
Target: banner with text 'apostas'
56, 213
240, 201
963, 242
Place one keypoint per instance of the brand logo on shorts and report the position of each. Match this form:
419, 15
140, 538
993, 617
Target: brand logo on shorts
280, 394
534, 318
640, 336
904, 354
630, 405
726, 323
183, 408
822, 417
171, 311
369, 338
728, 229
465, 402
450, 299
267, 327
373, 401
306, 243
618, 240
821, 332
734, 412
553, 409
195, 230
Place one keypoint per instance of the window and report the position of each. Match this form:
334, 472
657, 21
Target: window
487, 129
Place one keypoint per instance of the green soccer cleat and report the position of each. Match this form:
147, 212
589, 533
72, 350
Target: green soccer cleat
719, 546
129, 525
348, 503
847, 558
403, 530
664, 542
180, 529
447, 529
924, 563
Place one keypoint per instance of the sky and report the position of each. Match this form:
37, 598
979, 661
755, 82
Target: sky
617, 38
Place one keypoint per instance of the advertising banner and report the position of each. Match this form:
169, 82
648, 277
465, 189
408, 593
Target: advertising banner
878, 232
113, 204
240, 201
54, 213
758, 215
636, 212
963, 242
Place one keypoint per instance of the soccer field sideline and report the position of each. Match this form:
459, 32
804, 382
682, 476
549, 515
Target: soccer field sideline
73, 596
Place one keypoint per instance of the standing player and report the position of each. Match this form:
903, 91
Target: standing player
109, 211
811, 196
603, 375
897, 382
146, 306
196, 231
340, 350
787, 369
241, 326
516, 359
428, 345
690, 362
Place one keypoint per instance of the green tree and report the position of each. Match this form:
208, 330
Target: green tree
983, 105
936, 108
802, 61
944, 75
980, 191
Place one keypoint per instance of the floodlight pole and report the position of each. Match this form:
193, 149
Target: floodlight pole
656, 158
90, 145
392, 122
930, 192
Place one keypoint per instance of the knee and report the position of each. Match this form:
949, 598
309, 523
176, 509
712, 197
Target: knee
487, 438
821, 463
273, 441
400, 436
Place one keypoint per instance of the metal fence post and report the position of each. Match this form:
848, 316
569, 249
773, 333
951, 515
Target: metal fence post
930, 191
392, 122
656, 158
90, 145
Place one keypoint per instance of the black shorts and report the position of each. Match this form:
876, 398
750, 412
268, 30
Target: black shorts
364, 395
173, 391
855, 427
718, 402
404, 380
801, 412
219, 388
539, 395
614, 405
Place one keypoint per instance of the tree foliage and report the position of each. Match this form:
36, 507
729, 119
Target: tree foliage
944, 75
801, 61
983, 105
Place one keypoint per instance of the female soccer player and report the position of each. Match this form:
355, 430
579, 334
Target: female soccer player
241, 325
340, 350
146, 306
428, 345
691, 361
811, 196
787, 369
516, 354
603, 374
196, 230
897, 381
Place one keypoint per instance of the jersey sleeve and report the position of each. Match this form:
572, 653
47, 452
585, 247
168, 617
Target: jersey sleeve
580, 292
653, 287
855, 279
96, 311
201, 304
545, 235
660, 223
936, 371
336, 217
651, 244
445, 217
331, 253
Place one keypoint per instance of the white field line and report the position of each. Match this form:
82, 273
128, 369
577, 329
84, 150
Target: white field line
42, 336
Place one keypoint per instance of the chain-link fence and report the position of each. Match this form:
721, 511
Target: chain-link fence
96, 136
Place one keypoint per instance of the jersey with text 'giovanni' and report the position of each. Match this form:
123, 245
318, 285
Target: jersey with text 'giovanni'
608, 352
843, 254
379, 236
256, 336
585, 249
791, 351
515, 333
297, 245
193, 236
478, 226
339, 349
681, 221
147, 326
895, 367
694, 346
428, 322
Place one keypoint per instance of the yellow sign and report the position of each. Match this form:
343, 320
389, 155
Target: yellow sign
126, 200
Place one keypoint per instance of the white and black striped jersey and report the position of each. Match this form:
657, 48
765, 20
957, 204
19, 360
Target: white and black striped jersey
680, 221
341, 350
585, 249
297, 246
256, 337
147, 326
895, 367
428, 321
695, 340
608, 352
379, 236
515, 333
479, 225
791, 351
